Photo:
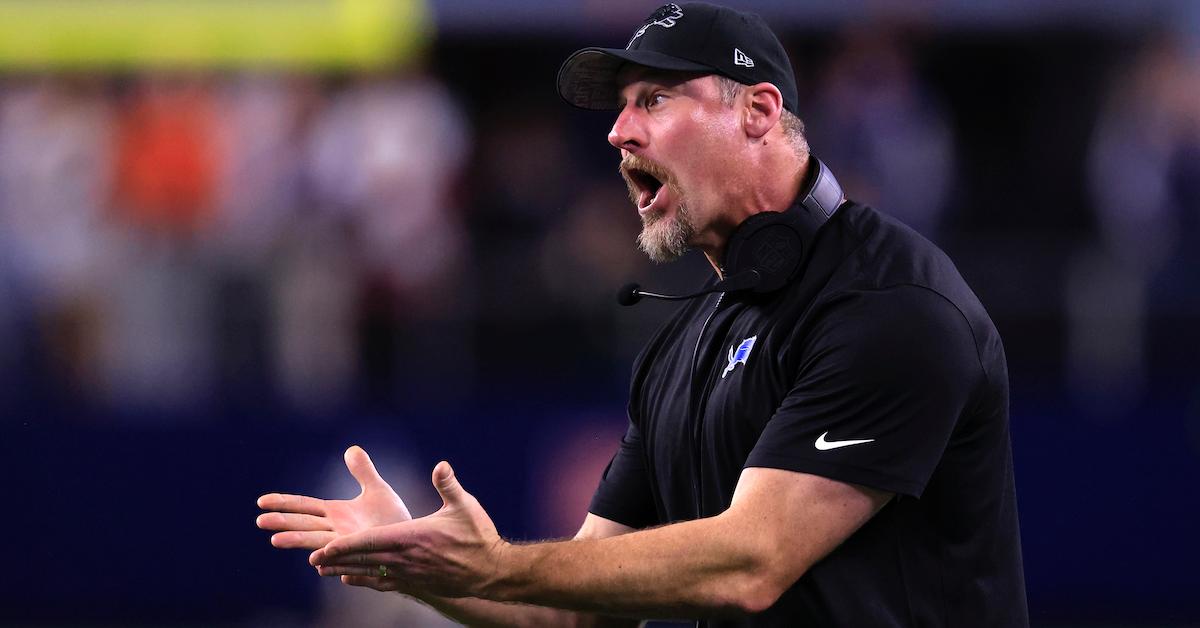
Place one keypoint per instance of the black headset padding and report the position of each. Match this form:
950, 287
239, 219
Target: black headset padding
776, 243
768, 242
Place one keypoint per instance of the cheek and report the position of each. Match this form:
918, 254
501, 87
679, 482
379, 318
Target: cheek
716, 134
711, 154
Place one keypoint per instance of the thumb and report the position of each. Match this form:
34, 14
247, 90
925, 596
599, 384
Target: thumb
447, 484
361, 467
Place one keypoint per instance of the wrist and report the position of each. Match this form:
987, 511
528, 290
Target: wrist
497, 584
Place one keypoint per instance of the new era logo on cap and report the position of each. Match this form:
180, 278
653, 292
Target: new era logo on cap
740, 58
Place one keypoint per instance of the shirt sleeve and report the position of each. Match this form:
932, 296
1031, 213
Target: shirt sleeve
885, 377
624, 492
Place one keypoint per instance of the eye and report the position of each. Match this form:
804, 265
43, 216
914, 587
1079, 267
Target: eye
656, 98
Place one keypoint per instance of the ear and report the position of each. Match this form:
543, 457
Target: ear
764, 105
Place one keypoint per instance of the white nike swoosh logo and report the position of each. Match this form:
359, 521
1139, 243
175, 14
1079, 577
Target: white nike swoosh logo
823, 444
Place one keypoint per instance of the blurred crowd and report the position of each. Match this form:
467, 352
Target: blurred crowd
1143, 263
171, 239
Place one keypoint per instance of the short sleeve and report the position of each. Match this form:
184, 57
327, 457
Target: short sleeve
624, 494
884, 379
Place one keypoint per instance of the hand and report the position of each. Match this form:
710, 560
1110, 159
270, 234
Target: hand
310, 523
454, 552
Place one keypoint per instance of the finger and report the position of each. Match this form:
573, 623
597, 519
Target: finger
447, 484
302, 540
368, 559
371, 582
292, 503
354, 570
363, 541
362, 468
292, 521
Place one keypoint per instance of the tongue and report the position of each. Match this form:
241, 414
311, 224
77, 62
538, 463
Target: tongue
654, 200
645, 197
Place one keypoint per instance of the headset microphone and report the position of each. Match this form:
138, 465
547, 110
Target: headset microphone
631, 293
768, 249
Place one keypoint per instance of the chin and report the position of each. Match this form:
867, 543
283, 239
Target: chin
666, 235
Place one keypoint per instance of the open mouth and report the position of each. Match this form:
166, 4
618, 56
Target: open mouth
644, 189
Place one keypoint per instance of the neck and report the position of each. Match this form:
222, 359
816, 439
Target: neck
762, 192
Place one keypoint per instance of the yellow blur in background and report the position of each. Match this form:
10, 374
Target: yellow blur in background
91, 34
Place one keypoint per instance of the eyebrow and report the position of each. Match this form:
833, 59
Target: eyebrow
652, 78
642, 88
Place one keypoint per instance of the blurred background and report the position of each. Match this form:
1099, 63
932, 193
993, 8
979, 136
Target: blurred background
237, 237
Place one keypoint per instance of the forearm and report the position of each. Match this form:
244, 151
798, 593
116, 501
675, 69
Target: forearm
691, 569
489, 614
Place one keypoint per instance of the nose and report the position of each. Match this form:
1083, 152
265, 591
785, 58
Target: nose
627, 132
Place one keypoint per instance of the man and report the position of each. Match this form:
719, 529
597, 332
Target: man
824, 443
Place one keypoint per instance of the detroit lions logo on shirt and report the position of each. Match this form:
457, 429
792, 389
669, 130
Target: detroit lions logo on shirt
739, 355
665, 16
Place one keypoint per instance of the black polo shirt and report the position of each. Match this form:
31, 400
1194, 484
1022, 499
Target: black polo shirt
880, 341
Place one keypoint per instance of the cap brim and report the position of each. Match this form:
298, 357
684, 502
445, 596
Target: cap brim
588, 78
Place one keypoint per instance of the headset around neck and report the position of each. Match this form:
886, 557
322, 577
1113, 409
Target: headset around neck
775, 244
769, 248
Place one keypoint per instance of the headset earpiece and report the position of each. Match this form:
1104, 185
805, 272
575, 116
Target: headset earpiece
776, 243
770, 243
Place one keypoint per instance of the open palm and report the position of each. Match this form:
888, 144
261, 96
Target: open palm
304, 522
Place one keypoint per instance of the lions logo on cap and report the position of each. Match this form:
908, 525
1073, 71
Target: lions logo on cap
665, 16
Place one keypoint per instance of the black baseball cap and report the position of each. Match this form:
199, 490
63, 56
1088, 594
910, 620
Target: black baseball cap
688, 37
